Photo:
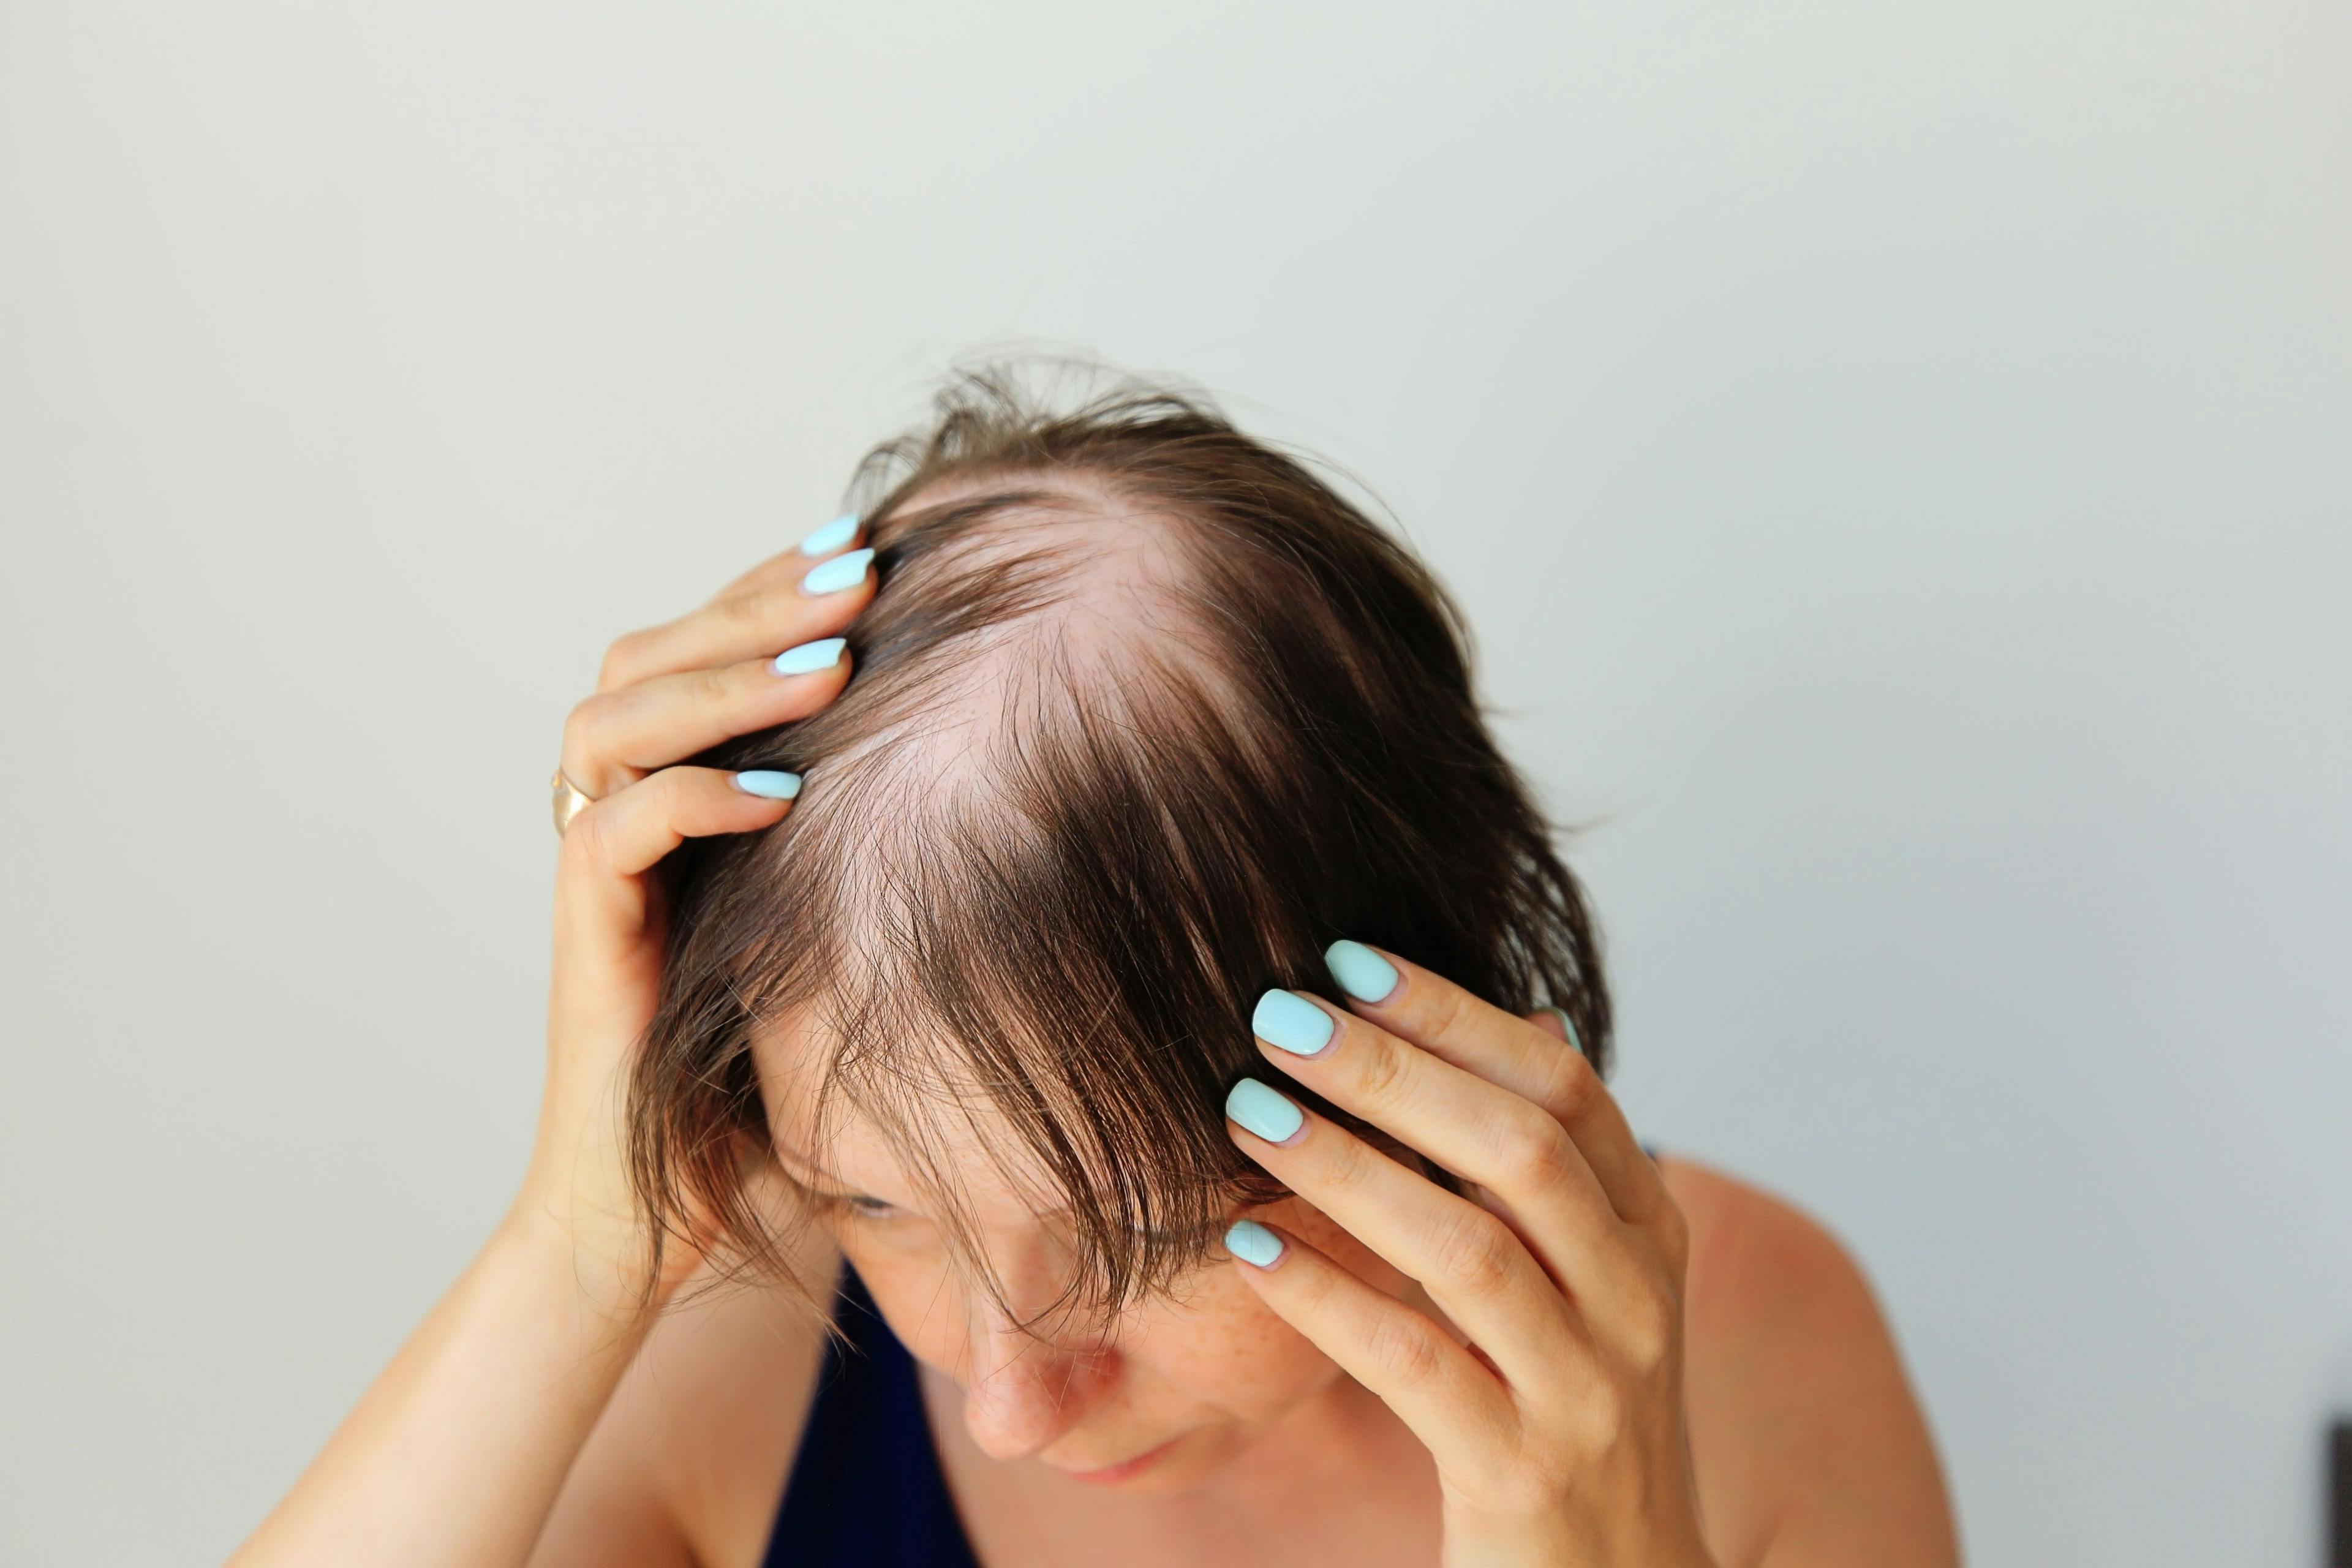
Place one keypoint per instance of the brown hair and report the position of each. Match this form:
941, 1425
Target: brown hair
1144, 715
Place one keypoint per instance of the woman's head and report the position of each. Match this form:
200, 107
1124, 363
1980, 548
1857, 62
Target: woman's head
1143, 716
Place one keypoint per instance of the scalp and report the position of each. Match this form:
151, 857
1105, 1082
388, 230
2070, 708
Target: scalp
1010, 612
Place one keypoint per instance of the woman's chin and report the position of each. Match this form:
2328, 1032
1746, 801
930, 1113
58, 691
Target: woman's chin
1177, 1465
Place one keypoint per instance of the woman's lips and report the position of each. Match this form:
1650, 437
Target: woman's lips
1126, 1470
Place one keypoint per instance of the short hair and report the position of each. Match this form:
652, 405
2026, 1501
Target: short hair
1144, 714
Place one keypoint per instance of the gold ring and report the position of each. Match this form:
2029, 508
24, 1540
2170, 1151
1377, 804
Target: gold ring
569, 802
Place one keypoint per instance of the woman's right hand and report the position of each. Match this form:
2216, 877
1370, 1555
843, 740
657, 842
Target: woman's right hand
765, 650
458, 1448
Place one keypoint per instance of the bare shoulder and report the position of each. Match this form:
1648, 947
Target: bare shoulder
1808, 1441
686, 1464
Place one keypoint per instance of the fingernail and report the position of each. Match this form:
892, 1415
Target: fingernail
1290, 1022
1261, 1111
1567, 1026
769, 783
841, 571
831, 536
810, 656
1361, 973
1253, 1244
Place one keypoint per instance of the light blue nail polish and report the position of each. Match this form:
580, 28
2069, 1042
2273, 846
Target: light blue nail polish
769, 783
1361, 973
1290, 1022
810, 656
1253, 1242
831, 536
841, 571
1261, 1111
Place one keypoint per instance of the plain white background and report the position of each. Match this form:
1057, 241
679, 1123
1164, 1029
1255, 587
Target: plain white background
1895, 458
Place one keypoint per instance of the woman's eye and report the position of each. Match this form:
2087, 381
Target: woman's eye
871, 1208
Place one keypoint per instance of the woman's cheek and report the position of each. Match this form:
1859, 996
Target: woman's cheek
1268, 1351
1220, 1342
1232, 1352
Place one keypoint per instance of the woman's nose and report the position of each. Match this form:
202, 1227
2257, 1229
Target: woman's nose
1024, 1391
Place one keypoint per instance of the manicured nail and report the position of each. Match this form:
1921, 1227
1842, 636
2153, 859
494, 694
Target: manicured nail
1290, 1022
1253, 1244
769, 783
831, 536
841, 571
1361, 973
1567, 1026
810, 656
1261, 1111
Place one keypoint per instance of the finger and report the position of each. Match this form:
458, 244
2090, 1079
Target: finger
816, 601
1468, 1259
789, 565
1451, 1025
1478, 1130
1462, 1415
615, 738
618, 838
1555, 1022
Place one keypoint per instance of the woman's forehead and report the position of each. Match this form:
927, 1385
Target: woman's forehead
827, 1137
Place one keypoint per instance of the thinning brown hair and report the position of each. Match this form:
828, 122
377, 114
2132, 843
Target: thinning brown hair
1144, 715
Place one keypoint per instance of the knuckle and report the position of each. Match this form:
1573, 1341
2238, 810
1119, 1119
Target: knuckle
1601, 1417
1403, 1349
1447, 1011
1613, 1413
669, 793
1473, 1250
622, 661
749, 611
585, 726
1313, 1291
712, 688
588, 842
1347, 1163
1380, 1075
1532, 1148
1573, 1083
1651, 1331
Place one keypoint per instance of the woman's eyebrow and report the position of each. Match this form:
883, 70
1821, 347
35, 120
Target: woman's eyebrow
809, 1173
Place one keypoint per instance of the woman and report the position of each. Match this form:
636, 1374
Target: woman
1162, 1031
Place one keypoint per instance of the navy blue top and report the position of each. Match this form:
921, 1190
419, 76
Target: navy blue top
866, 1490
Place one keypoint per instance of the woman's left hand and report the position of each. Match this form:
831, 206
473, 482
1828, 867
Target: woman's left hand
1558, 1430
